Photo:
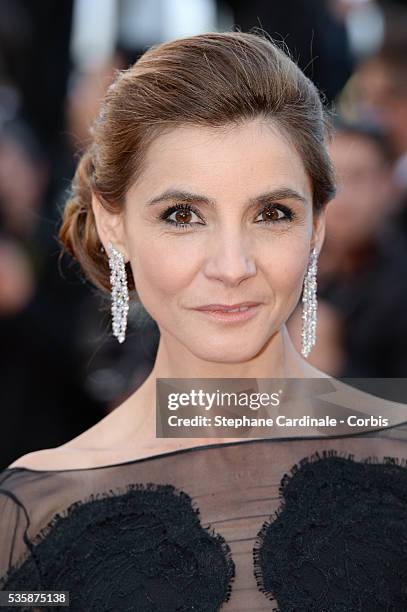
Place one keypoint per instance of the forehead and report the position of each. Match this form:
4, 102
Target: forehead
224, 159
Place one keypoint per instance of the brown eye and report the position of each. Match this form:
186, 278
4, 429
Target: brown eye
273, 214
182, 216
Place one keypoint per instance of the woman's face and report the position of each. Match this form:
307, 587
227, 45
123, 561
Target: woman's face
244, 205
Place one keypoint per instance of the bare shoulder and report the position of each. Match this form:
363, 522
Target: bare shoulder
371, 403
113, 439
44, 459
352, 398
88, 449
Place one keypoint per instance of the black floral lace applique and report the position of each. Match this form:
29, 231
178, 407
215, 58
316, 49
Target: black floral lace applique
143, 550
338, 542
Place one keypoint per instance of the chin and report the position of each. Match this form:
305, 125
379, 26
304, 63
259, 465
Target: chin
227, 352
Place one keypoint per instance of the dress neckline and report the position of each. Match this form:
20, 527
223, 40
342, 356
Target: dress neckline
202, 447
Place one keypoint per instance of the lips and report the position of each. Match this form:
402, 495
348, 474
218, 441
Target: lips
240, 307
222, 314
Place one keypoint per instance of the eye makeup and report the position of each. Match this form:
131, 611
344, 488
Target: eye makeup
279, 213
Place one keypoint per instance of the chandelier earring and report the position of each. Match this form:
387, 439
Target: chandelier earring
310, 304
119, 292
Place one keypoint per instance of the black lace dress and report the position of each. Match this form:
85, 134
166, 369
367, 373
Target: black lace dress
315, 524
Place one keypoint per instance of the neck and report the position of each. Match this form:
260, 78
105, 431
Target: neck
279, 359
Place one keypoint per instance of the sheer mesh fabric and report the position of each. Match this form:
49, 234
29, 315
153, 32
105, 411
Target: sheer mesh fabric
286, 524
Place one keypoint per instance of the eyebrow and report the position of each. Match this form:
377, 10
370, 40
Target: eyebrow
281, 193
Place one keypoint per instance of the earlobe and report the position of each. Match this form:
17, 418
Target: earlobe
110, 227
318, 237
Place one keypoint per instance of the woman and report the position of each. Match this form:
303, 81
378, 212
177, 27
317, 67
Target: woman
205, 189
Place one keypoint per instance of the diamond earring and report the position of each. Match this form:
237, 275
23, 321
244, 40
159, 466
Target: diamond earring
119, 295
309, 309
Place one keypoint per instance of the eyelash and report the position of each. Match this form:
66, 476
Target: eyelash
187, 207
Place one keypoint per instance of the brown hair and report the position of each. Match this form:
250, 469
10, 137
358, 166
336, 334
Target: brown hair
211, 79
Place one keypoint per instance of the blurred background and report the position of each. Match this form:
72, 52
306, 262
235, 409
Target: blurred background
61, 369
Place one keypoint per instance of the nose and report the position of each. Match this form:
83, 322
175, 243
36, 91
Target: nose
229, 260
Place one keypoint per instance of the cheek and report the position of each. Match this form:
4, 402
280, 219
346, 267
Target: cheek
160, 270
283, 264
288, 276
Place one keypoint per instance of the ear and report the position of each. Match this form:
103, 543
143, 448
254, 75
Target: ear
110, 227
319, 227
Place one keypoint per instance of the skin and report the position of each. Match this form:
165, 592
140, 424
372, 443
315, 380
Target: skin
225, 256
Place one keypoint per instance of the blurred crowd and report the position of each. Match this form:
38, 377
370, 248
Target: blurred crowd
61, 369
